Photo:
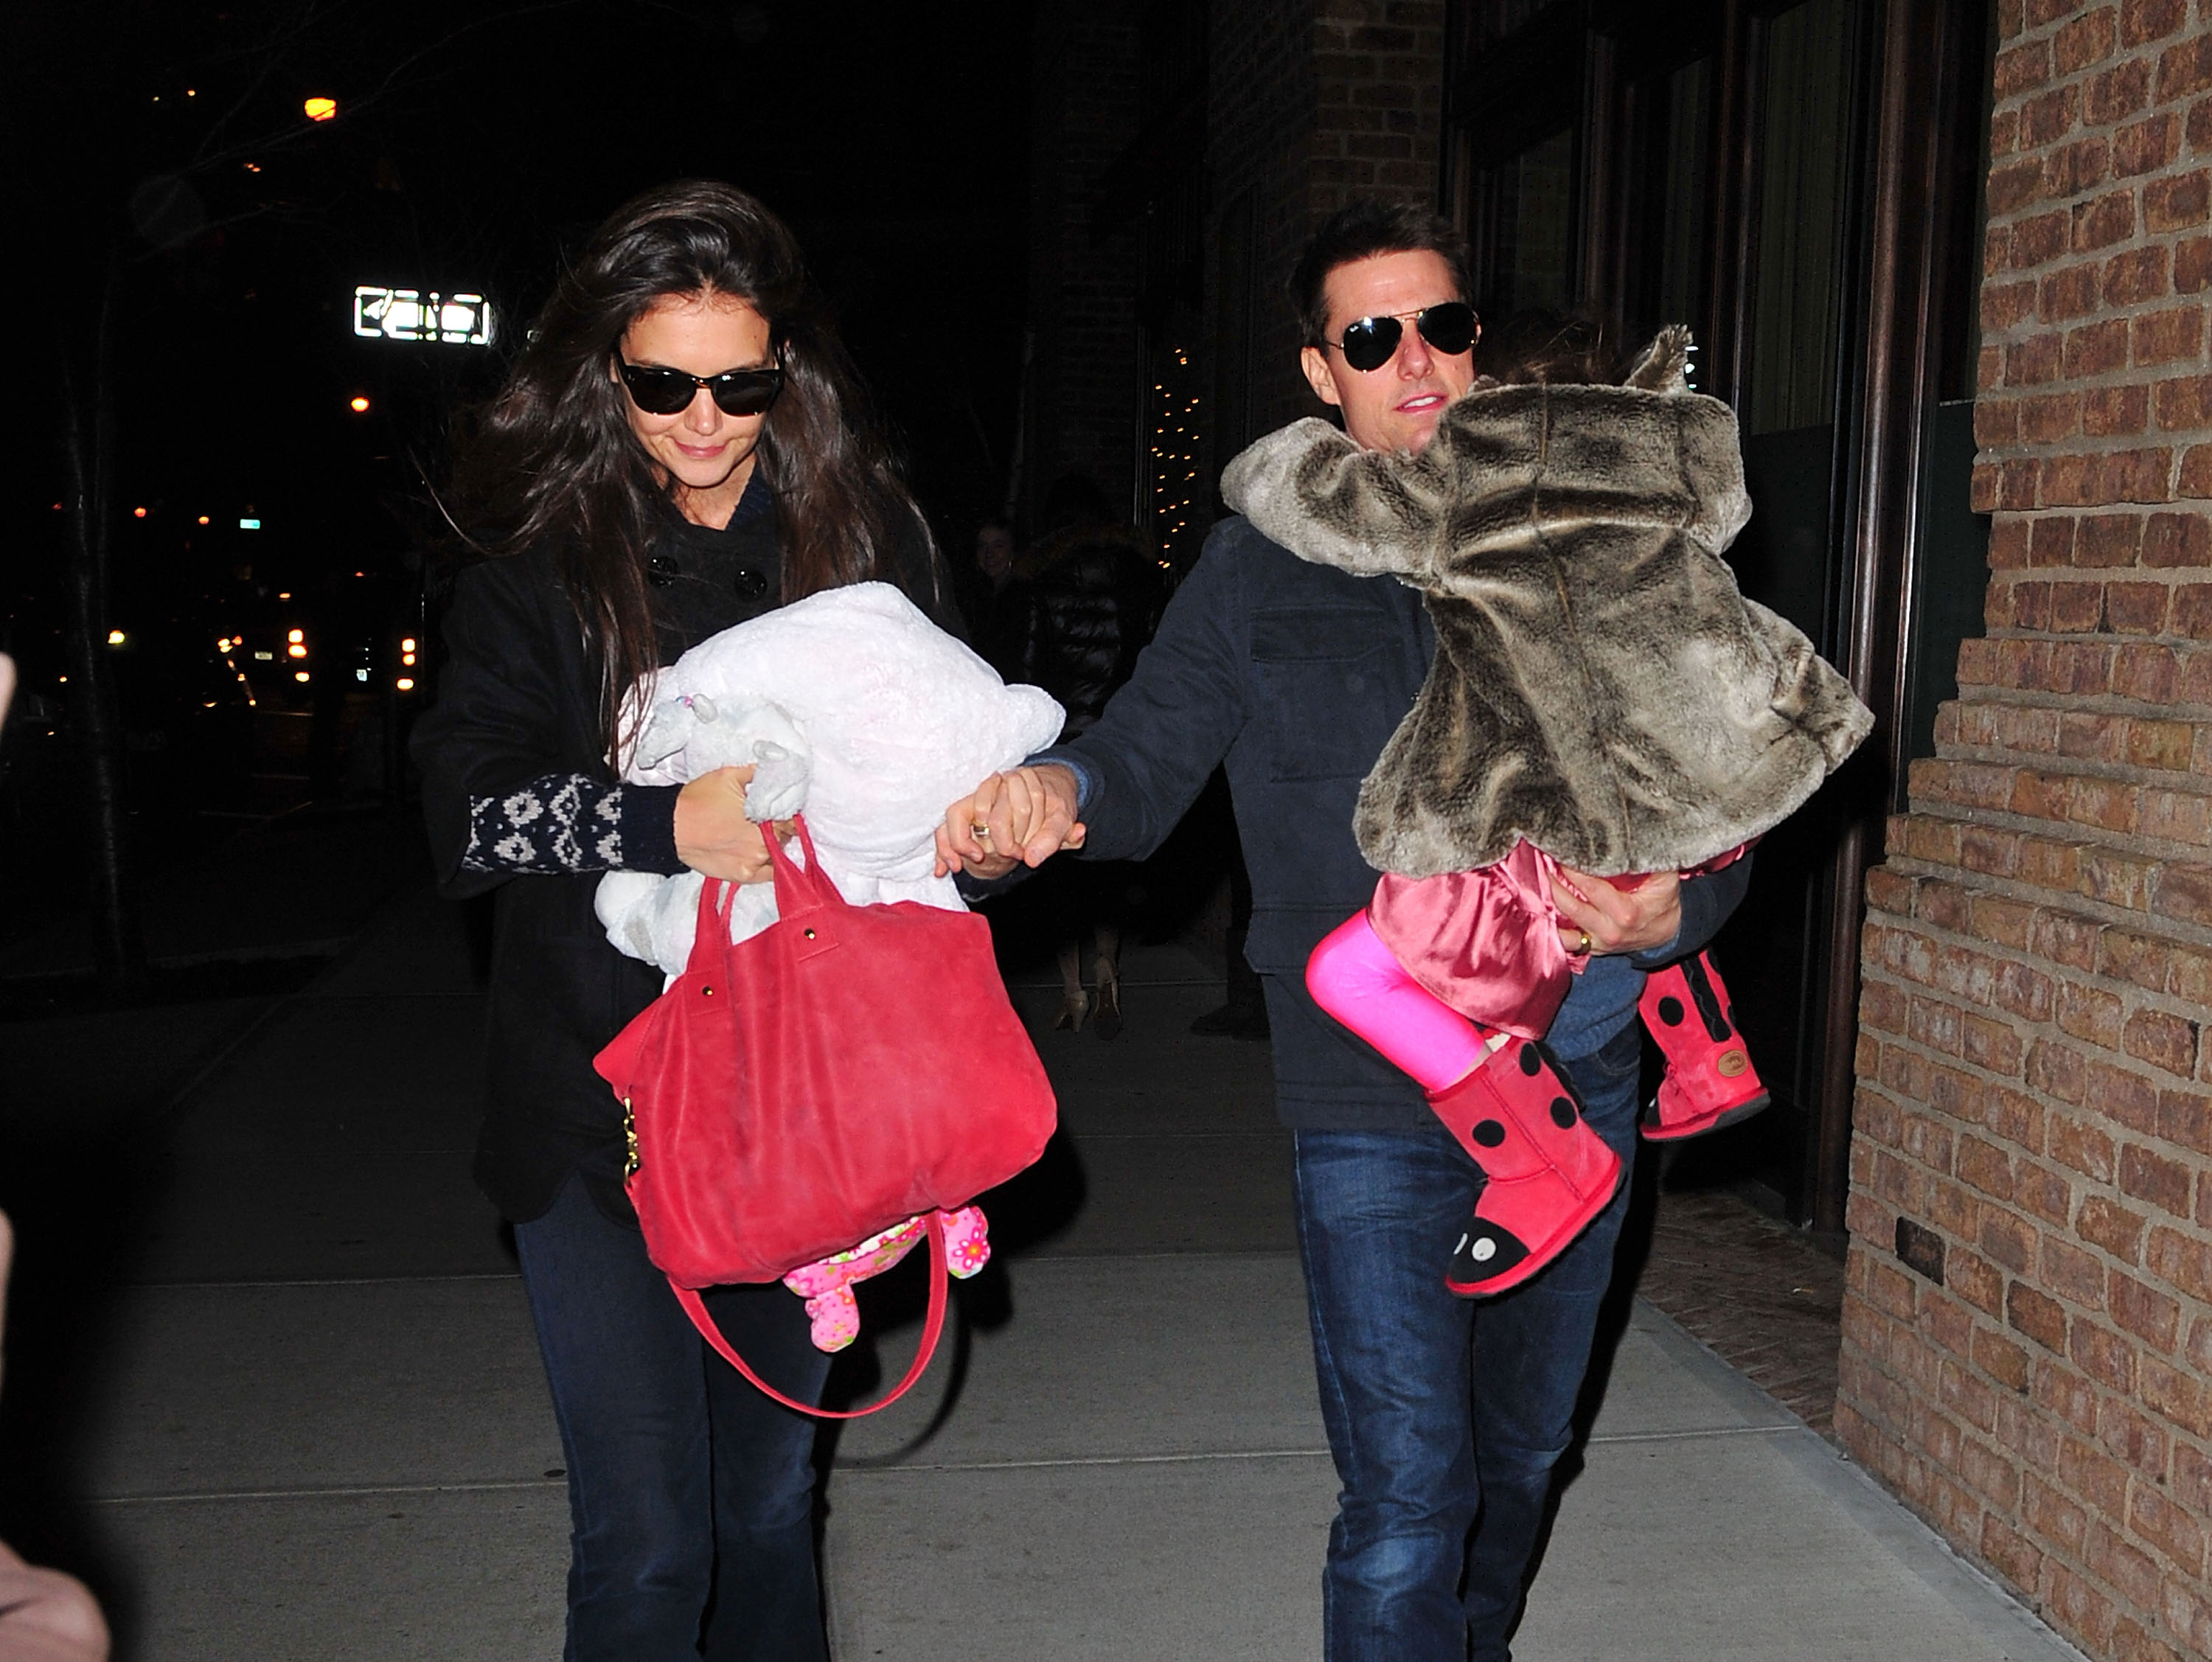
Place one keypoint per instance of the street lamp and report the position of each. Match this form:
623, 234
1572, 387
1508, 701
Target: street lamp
321, 109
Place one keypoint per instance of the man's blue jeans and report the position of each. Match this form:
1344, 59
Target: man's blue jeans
1445, 1414
691, 1495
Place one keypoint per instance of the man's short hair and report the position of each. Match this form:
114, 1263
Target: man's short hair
1361, 231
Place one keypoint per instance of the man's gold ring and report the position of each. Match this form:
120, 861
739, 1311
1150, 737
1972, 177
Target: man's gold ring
982, 831
1583, 951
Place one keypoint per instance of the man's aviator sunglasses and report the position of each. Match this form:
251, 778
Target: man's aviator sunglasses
660, 392
1449, 328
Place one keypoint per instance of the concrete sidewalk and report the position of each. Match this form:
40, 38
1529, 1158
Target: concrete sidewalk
316, 1428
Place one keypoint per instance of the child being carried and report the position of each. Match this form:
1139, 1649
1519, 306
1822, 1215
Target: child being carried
1602, 698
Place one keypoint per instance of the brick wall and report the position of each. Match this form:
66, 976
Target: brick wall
2027, 1336
1380, 100
1309, 104
1312, 103
1261, 103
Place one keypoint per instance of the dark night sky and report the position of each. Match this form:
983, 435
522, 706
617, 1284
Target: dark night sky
473, 144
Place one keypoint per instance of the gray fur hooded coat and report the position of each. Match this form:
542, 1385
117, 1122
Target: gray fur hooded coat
1599, 688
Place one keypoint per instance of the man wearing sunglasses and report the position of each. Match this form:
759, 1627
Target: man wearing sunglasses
1445, 1417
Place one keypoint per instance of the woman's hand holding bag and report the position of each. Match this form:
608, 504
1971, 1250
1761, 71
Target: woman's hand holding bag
797, 1092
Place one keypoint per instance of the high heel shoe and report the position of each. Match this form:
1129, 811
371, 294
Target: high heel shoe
1073, 1008
1107, 1020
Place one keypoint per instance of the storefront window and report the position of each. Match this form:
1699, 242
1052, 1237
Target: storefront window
1682, 193
1531, 244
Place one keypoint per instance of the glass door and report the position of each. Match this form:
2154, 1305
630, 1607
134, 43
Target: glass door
1808, 150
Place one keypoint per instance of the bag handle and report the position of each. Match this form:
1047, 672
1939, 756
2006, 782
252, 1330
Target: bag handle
696, 1308
711, 933
797, 890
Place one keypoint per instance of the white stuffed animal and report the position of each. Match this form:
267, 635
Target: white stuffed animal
850, 704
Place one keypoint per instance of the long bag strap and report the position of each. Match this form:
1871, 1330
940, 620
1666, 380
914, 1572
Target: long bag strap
696, 1308
797, 891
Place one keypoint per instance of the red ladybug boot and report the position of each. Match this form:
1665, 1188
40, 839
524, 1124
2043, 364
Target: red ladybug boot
1710, 1079
1547, 1173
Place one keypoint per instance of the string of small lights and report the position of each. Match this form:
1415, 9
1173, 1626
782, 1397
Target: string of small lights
1175, 450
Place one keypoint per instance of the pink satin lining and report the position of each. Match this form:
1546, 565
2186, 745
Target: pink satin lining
1484, 942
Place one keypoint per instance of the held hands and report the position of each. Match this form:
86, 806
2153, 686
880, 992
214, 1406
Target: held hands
1596, 918
713, 835
1024, 817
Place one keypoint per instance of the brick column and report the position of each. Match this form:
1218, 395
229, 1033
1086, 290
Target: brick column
2027, 1336
1379, 118
1310, 104
1087, 98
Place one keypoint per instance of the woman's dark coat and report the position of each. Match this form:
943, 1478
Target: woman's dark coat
517, 702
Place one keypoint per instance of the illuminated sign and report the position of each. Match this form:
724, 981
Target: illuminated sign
413, 314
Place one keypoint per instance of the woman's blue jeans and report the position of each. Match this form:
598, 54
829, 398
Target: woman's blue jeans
691, 1495
1446, 1415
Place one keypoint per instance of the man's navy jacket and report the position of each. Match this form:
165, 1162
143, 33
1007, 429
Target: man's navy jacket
1294, 675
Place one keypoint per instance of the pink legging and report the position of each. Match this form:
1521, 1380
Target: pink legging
1357, 979
1516, 979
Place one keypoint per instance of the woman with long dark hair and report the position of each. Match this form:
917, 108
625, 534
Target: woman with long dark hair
681, 446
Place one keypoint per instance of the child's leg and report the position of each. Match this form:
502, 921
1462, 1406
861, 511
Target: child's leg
1710, 1080
1548, 1174
1353, 977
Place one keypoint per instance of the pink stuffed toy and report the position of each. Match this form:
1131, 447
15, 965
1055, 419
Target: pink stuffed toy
827, 1284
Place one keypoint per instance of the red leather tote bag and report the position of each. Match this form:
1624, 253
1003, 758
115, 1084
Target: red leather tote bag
846, 1068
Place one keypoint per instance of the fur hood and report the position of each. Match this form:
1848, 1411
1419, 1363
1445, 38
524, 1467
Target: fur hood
1601, 688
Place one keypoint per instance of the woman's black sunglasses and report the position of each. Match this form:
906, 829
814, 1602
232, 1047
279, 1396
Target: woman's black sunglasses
661, 392
1449, 328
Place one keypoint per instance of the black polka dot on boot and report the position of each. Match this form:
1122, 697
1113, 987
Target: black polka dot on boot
1531, 1063
1489, 1133
1563, 1112
1670, 1012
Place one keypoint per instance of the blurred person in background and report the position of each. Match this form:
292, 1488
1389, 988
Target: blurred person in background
992, 598
1090, 597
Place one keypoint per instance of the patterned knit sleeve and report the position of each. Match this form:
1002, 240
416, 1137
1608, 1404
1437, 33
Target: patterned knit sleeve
571, 822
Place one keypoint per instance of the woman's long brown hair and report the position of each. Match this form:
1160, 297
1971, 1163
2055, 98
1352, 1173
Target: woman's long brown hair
552, 456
